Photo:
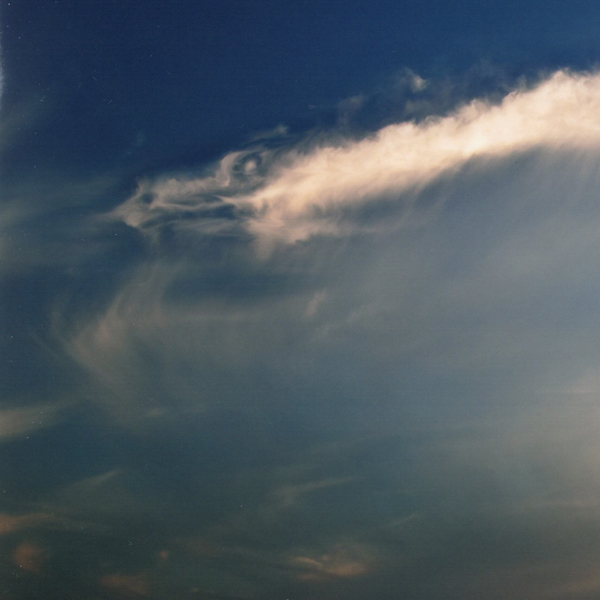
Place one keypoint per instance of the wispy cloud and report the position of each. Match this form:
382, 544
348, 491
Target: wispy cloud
13, 523
344, 561
291, 195
130, 585
288, 495
29, 557
18, 423
47, 221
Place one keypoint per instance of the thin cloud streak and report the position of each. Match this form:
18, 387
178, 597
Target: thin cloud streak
18, 423
346, 561
290, 196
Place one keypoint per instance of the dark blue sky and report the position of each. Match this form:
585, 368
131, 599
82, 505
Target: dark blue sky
187, 80
299, 300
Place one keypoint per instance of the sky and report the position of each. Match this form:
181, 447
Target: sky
299, 300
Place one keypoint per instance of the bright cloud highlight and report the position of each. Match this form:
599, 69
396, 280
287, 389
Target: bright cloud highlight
293, 195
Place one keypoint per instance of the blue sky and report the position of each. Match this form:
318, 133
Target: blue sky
299, 300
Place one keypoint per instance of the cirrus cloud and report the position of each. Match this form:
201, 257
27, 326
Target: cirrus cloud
296, 193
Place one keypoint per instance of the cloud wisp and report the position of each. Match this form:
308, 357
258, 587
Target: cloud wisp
293, 194
19, 423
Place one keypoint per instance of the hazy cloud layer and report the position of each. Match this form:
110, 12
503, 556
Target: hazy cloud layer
299, 300
397, 392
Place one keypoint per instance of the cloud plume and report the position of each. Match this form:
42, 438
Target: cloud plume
293, 194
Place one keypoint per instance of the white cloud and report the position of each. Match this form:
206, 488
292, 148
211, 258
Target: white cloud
297, 194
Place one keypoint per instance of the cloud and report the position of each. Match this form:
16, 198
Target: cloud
12, 216
501, 280
12, 523
288, 495
130, 585
102, 497
502, 228
344, 561
29, 557
18, 423
439, 336
57, 520
584, 585
46, 221
294, 194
